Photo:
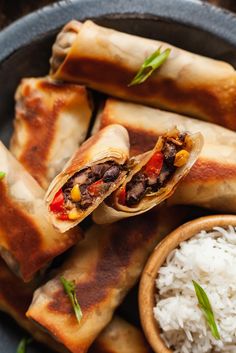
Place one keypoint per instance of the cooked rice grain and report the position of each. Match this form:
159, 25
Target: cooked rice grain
209, 258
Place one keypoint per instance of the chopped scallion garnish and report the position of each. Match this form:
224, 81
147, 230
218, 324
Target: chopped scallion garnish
206, 308
69, 288
22, 346
153, 62
2, 175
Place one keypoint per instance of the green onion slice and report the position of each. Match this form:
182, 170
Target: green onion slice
153, 62
69, 288
206, 308
2, 175
22, 346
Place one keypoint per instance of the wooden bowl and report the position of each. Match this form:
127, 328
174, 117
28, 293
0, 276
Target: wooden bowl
147, 285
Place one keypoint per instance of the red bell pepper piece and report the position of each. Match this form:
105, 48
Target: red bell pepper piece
122, 196
96, 188
57, 204
155, 164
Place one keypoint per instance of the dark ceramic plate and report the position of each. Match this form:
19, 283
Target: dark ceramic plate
25, 50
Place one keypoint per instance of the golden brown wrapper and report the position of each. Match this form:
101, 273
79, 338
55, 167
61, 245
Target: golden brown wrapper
120, 337
111, 210
211, 182
28, 242
51, 121
108, 60
110, 144
16, 296
104, 267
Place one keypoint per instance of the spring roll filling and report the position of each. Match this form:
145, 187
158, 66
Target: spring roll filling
158, 170
84, 188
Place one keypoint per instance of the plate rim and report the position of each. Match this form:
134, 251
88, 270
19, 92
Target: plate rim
193, 13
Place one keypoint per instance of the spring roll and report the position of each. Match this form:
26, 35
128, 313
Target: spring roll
16, 296
92, 174
51, 121
153, 178
104, 266
211, 182
108, 60
120, 337
28, 241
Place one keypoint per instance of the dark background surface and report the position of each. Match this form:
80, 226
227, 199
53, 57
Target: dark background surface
11, 10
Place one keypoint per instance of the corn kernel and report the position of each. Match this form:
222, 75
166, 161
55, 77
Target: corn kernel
181, 158
74, 214
75, 193
188, 142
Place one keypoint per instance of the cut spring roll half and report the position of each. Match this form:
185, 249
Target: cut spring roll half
211, 181
108, 60
94, 172
153, 178
103, 267
51, 121
28, 241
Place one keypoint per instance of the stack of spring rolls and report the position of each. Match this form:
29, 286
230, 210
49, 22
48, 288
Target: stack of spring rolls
127, 179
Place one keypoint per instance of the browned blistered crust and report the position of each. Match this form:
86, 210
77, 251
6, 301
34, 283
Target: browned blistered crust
24, 241
84, 154
98, 347
39, 103
214, 104
102, 279
15, 295
15, 298
206, 170
140, 141
116, 254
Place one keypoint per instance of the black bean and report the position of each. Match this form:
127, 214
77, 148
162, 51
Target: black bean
136, 189
66, 193
182, 136
91, 179
111, 174
99, 169
83, 188
135, 194
68, 185
164, 176
139, 177
85, 201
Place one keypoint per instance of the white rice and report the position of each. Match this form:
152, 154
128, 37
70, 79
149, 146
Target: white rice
209, 258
